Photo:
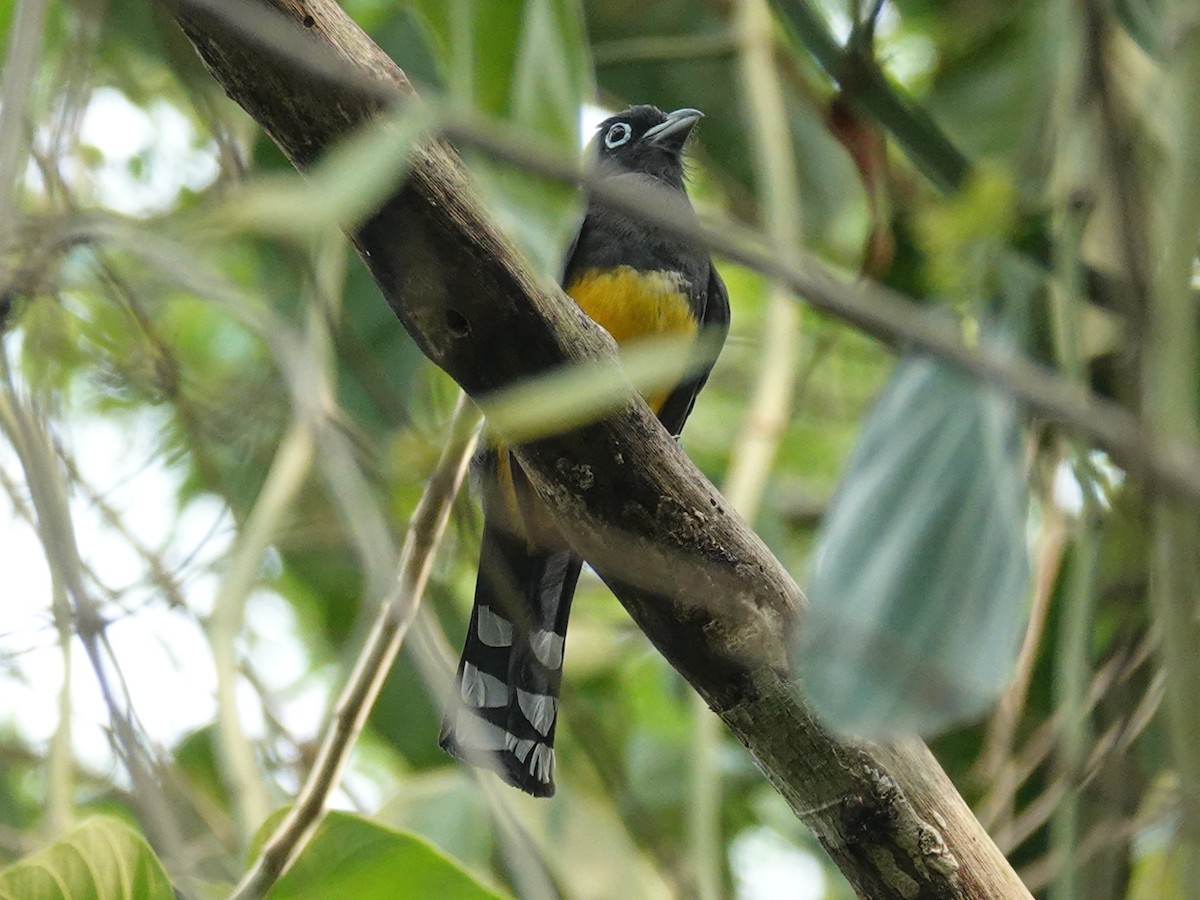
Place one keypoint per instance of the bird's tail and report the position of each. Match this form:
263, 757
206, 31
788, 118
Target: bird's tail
505, 707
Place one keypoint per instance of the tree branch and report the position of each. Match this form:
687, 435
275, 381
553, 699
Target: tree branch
619, 488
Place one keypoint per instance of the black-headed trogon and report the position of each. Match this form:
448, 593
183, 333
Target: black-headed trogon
635, 281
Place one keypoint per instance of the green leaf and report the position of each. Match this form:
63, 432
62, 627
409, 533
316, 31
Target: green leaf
353, 857
102, 858
918, 597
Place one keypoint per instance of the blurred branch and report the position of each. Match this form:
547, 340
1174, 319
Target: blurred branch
362, 689
1072, 668
753, 457
60, 763
1105, 836
1041, 745
888, 815
1130, 219
16, 90
235, 752
60, 766
1170, 384
662, 48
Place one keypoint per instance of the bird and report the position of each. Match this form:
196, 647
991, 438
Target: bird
636, 281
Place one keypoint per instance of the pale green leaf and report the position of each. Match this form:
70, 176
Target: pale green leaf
354, 857
100, 859
583, 392
918, 598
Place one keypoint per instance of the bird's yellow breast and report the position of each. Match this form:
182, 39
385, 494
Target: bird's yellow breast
630, 304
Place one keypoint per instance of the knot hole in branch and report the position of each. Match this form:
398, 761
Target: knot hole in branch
457, 323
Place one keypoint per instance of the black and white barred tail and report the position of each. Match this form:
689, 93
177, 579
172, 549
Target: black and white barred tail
504, 711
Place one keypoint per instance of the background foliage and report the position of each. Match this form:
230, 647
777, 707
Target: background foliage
217, 433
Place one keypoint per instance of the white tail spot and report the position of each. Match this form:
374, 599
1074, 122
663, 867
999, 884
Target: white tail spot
520, 748
493, 630
539, 709
541, 764
548, 648
481, 689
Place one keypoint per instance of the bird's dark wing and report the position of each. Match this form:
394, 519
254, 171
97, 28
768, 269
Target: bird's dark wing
569, 256
714, 328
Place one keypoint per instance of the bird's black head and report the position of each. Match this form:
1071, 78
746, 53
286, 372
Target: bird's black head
647, 140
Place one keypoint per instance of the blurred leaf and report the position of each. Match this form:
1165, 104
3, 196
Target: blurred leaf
918, 598
526, 63
353, 857
345, 187
1158, 866
446, 808
960, 234
1144, 20
575, 394
102, 858
51, 344
995, 79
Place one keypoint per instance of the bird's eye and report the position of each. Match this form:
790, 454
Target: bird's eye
617, 135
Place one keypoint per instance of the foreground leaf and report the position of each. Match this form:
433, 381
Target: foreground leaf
918, 598
353, 857
102, 858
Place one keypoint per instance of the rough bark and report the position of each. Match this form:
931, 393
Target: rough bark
704, 588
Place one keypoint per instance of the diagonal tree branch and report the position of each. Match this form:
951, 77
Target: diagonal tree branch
887, 815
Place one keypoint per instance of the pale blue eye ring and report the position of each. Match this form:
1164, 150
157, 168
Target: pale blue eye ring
617, 135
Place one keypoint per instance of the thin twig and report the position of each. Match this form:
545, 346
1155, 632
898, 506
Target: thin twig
160, 573
239, 768
358, 697
16, 90
658, 48
775, 173
1042, 743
